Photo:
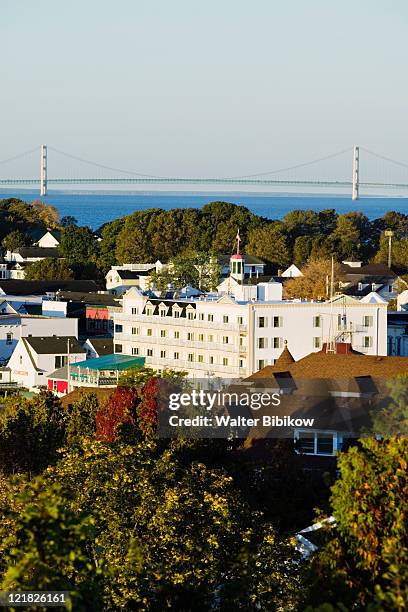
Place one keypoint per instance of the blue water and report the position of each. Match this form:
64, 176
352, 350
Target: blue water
95, 208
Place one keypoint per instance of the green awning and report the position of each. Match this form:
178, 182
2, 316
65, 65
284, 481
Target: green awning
110, 362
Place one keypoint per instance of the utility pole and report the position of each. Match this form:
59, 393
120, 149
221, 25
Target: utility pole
43, 171
389, 234
356, 173
68, 368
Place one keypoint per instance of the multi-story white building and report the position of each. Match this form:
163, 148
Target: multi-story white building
225, 336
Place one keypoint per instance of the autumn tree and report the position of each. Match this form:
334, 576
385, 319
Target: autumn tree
49, 269
315, 282
48, 214
364, 566
15, 240
82, 418
31, 432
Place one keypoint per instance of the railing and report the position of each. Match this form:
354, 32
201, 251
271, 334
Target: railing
207, 368
179, 343
194, 323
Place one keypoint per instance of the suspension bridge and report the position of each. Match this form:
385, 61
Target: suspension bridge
282, 177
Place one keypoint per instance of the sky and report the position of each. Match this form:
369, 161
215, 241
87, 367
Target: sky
202, 88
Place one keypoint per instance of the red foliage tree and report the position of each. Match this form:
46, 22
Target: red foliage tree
147, 409
120, 410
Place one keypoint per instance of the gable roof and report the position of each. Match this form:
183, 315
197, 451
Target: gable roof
90, 298
36, 251
102, 346
371, 269
50, 345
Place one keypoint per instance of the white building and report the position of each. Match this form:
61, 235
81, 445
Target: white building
222, 336
14, 326
292, 272
34, 359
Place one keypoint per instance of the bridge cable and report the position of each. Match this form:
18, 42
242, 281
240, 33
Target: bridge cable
393, 161
4, 161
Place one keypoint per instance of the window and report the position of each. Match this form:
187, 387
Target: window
367, 342
118, 328
118, 348
162, 354
21, 360
317, 342
211, 360
149, 312
261, 364
261, 322
162, 333
262, 343
241, 363
210, 338
135, 350
190, 336
191, 315
210, 317
176, 314
200, 358
317, 321
240, 320
225, 340
201, 316
241, 341
149, 332
225, 319
9, 338
225, 361
135, 311
190, 357
177, 335
277, 321
60, 361
163, 312
149, 352
316, 443
201, 337
135, 331
277, 343
367, 321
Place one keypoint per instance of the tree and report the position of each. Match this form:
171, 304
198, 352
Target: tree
399, 252
302, 223
48, 269
270, 243
302, 249
174, 534
51, 547
15, 240
315, 282
31, 432
82, 419
78, 245
48, 214
68, 220
364, 566
390, 418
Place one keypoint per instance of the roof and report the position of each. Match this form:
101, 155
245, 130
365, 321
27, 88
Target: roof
249, 259
36, 251
90, 298
103, 346
131, 274
50, 345
368, 270
338, 365
40, 287
37, 234
111, 362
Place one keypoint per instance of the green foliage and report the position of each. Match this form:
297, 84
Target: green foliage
365, 563
81, 422
79, 247
52, 547
18, 215
197, 269
48, 269
391, 419
175, 533
31, 432
270, 243
15, 240
68, 220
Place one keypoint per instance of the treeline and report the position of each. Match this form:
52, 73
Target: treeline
152, 234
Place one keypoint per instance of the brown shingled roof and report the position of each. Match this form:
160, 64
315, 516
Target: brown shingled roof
329, 365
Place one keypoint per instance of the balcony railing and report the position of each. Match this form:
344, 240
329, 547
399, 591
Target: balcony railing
193, 323
179, 343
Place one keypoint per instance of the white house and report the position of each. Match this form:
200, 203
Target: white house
292, 272
34, 358
14, 326
49, 239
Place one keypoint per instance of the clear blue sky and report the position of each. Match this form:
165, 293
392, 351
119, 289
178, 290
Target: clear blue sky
204, 87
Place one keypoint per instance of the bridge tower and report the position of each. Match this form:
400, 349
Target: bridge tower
356, 173
43, 171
